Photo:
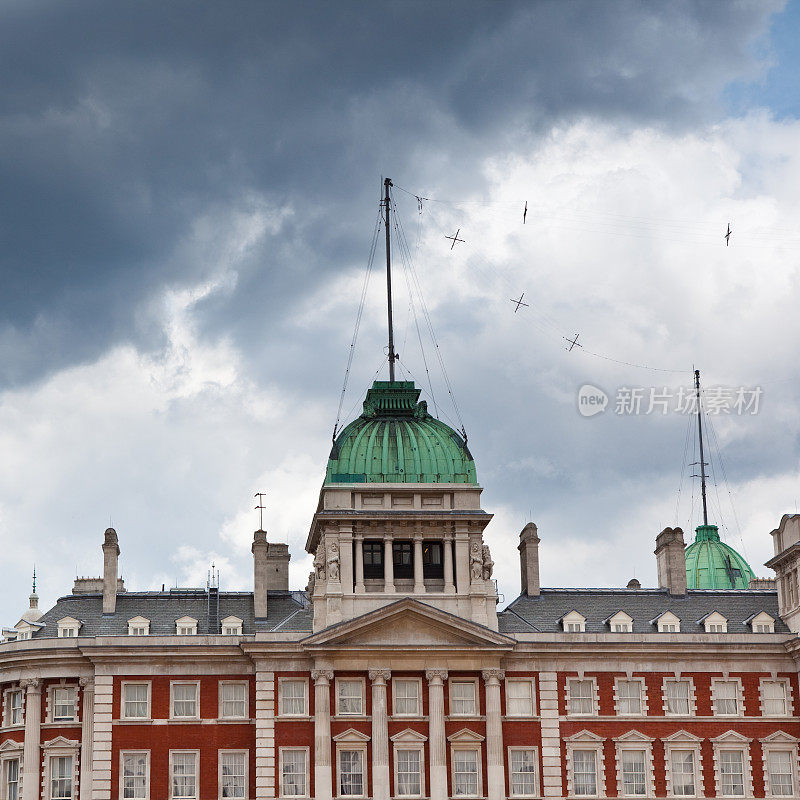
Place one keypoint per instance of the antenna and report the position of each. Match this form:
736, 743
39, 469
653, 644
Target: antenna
700, 434
386, 203
34, 578
260, 508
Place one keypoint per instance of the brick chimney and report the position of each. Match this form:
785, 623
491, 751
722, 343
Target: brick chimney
671, 561
110, 565
260, 551
529, 560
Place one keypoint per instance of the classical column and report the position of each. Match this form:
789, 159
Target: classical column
462, 558
495, 772
437, 742
359, 540
419, 580
388, 565
323, 775
31, 754
87, 734
447, 545
380, 734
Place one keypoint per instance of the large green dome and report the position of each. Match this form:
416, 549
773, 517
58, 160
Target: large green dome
396, 440
712, 564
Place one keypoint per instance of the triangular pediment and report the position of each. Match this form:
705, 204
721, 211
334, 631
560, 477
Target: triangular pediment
351, 735
730, 737
408, 623
633, 736
61, 741
409, 735
779, 737
584, 736
10, 745
465, 735
682, 736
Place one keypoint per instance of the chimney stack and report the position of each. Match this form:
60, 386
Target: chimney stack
671, 561
278, 566
110, 563
260, 551
529, 560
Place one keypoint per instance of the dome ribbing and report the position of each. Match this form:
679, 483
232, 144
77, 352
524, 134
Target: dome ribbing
712, 564
396, 440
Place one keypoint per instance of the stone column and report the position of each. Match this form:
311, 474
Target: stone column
380, 734
388, 565
87, 735
346, 558
359, 540
462, 558
495, 771
419, 580
447, 545
31, 753
436, 737
323, 774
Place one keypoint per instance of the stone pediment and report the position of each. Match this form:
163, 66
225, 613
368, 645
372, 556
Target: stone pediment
408, 623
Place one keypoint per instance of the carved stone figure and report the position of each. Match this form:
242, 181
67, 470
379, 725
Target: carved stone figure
333, 562
319, 563
488, 564
476, 562
312, 581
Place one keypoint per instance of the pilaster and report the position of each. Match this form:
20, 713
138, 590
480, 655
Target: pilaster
323, 775
359, 565
551, 735
380, 734
265, 732
495, 770
101, 737
436, 733
87, 735
33, 731
388, 565
419, 580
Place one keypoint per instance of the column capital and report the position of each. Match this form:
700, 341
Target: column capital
435, 676
380, 676
86, 683
492, 675
31, 684
322, 676
358, 535
387, 537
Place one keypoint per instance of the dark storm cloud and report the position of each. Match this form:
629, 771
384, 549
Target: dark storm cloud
122, 124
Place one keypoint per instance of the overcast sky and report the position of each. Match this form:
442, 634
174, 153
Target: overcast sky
188, 192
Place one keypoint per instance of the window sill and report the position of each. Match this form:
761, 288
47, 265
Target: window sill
137, 721
293, 718
67, 723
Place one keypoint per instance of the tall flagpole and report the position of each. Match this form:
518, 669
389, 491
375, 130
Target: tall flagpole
700, 433
386, 184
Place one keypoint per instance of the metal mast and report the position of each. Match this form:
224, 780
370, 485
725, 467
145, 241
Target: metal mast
386, 184
700, 434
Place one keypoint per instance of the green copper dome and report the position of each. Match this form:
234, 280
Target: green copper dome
396, 440
712, 564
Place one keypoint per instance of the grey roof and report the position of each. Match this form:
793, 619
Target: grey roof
286, 611
543, 613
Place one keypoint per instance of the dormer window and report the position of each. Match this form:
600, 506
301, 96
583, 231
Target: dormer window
715, 623
138, 626
573, 622
231, 626
667, 623
68, 627
620, 623
762, 623
186, 626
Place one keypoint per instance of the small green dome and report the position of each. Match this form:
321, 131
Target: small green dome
712, 564
396, 440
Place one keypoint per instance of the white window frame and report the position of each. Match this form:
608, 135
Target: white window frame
134, 752
282, 682
186, 626
683, 741
231, 626
668, 619
352, 740
362, 683
762, 620
692, 697
532, 684
69, 628
307, 756
476, 698
586, 740
642, 697
466, 748
780, 741
238, 752
733, 742
535, 750
404, 714
51, 702
11, 751
568, 696
221, 700
787, 688
182, 751
172, 685
629, 742
138, 626
7, 723
574, 619
413, 741
620, 623
739, 696
122, 714
715, 623
59, 748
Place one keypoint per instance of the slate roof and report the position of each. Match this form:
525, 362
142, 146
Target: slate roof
287, 611
532, 614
